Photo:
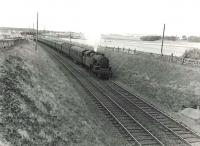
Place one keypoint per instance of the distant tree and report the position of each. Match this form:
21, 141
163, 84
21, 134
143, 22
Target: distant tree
194, 38
150, 38
155, 38
171, 38
184, 37
192, 54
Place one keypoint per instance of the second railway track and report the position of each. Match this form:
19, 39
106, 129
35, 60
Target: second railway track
119, 104
173, 126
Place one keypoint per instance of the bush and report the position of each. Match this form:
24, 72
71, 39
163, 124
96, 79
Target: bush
184, 37
192, 54
150, 38
194, 39
171, 38
155, 38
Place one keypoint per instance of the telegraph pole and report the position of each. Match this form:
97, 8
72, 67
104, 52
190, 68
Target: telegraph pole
33, 31
163, 40
70, 37
36, 34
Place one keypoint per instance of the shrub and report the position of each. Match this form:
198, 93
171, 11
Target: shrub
150, 38
155, 38
192, 53
194, 38
171, 38
184, 37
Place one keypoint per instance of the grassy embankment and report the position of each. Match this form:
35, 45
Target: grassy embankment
39, 105
170, 85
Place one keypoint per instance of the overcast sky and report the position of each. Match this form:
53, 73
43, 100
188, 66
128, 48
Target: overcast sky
105, 16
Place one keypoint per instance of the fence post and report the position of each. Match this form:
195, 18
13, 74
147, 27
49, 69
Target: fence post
134, 51
7, 44
172, 57
183, 60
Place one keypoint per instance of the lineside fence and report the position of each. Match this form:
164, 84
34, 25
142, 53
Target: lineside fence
167, 58
7, 43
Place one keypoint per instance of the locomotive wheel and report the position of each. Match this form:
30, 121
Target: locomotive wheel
106, 77
90, 68
98, 75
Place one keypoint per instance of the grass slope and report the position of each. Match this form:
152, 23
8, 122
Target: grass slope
171, 85
39, 105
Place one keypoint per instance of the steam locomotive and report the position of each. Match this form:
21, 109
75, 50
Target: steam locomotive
95, 62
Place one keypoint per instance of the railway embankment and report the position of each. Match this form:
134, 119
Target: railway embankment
169, 86
40, 106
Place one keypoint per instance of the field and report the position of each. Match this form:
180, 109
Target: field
175, 47
170, 84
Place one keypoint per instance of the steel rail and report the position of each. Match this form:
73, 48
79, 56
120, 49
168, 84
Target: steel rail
164, 115
103, 104
144, 112
108, 111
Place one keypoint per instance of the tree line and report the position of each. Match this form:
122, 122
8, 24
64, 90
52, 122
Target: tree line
170, 38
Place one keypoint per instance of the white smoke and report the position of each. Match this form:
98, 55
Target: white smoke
93, 39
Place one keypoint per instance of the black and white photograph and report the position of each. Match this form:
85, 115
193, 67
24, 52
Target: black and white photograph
99, 73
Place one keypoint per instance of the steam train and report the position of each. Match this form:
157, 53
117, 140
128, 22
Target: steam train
95, 62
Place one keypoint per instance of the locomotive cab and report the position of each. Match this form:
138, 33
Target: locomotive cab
101, 66
87, 58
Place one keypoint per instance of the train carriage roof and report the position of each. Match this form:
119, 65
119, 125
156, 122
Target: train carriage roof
68, 43
59, 42
85, 46
78, 49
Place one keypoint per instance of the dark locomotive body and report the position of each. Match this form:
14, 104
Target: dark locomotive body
96, 62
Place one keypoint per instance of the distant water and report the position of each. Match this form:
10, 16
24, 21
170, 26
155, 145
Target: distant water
175, 47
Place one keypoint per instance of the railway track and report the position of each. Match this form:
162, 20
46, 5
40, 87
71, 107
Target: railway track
133, 131
172, 126
119, 104
147, 114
